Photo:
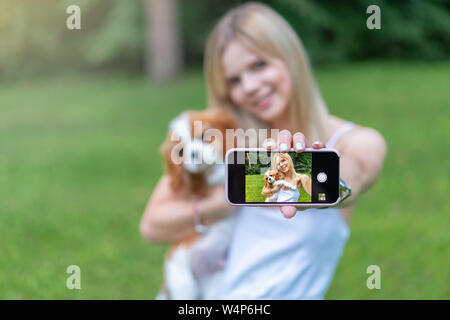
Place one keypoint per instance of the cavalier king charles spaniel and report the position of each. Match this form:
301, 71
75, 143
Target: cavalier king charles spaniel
194, 162
273, 181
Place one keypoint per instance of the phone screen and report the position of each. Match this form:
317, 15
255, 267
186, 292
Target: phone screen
265, 177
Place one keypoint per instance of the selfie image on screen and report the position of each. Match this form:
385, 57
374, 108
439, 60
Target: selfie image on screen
278, 177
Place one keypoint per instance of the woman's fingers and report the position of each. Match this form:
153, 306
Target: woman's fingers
289, 211
318, 145
299, 142
269, 144
284, 141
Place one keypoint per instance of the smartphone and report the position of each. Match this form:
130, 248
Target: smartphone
260, 177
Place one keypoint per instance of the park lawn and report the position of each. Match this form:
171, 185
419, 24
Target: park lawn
79, 159
253, 187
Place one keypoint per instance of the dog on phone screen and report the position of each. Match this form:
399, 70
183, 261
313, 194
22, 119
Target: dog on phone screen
273, 182
193, 266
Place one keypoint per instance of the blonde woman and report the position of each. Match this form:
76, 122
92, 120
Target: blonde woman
283, 162
257, 69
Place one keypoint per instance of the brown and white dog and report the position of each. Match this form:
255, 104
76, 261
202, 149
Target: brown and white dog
193, 266
273, 182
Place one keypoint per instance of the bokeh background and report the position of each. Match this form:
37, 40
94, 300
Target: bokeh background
83, 113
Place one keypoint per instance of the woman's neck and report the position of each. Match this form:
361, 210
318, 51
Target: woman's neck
290, 174
283, 122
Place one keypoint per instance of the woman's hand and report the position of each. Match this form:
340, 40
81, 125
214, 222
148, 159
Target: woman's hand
168, 216
215, 207
285, 142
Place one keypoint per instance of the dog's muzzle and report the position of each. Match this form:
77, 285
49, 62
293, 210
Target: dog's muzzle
198, 156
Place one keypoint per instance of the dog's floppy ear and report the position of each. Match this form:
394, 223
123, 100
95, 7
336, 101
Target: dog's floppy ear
266, 189
180, 180
175, 171
222, 119
266, 183
197, 184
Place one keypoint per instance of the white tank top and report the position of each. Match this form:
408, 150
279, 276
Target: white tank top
272, 257
288, 195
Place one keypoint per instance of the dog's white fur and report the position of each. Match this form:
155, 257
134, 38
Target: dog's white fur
194, 270
271, 183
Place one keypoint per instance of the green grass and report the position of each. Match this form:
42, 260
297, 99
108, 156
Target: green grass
253, 187
79, 160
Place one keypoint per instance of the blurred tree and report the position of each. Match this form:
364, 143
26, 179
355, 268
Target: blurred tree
128, 35
164, 50
302, 162
114, 35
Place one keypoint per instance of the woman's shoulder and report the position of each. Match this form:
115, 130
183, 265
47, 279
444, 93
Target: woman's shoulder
357, 135
300, 176
364, 144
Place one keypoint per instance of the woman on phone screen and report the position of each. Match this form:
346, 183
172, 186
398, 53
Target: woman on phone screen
283, 163
257, 69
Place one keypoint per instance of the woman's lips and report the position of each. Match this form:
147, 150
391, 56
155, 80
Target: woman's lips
264, 103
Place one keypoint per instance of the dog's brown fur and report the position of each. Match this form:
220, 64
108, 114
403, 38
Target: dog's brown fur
269, 189
187, 184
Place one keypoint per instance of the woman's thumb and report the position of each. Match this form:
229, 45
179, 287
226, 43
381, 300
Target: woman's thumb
288, 211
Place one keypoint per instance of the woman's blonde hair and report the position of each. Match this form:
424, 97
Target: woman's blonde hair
275, 159
264, 31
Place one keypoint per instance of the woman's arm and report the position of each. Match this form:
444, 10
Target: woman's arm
168, 217
305, 181
361, 161
269, 191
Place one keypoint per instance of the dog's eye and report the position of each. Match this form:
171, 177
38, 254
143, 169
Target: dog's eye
200, 137
210, 138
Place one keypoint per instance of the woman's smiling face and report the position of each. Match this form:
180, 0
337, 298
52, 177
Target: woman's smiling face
283, 165
259, 85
